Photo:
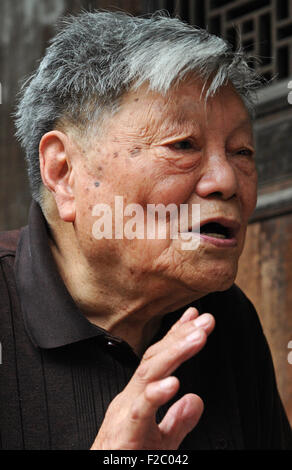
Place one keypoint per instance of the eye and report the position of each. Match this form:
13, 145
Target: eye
182, 145
245, 152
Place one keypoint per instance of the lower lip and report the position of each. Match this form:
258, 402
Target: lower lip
220, 242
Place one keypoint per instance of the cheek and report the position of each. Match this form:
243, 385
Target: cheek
175, 189
248, 191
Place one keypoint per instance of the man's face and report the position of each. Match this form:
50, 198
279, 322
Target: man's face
174, 149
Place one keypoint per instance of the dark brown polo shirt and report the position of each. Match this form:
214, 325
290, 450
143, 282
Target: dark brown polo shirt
59, 372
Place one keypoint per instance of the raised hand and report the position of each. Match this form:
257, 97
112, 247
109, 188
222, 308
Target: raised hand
129, 422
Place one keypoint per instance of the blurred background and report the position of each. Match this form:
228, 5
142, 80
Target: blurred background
265, 26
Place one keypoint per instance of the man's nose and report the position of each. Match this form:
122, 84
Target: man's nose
218, 177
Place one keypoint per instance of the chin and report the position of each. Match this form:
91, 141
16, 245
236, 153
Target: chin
226, 284
212, 280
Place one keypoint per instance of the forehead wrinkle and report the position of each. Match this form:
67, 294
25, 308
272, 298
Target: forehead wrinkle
161, 116
171, 122
160, 119
219, 111
142, 124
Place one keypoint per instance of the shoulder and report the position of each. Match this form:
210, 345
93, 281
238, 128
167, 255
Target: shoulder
238, 326
230, 297
9, 242
234, 308
265, 424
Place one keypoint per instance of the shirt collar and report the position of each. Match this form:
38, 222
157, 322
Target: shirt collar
51, 317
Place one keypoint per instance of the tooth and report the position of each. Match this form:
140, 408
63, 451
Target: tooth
216, 235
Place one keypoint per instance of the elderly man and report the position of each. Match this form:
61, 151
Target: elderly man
106, 337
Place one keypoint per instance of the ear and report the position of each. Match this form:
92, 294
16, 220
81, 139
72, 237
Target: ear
56, 171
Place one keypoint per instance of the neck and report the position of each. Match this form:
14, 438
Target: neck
125, 306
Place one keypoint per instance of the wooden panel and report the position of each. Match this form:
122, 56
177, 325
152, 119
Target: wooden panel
265, 275
273, 138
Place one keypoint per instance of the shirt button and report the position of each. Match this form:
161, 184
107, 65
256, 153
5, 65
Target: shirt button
110, 343
221, 444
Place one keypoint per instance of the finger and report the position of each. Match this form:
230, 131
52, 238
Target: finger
205, 321
190, 314
144, 407
154, 395
181, 418
177, 346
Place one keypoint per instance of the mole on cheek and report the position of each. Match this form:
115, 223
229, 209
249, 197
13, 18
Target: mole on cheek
116, 155
97, 183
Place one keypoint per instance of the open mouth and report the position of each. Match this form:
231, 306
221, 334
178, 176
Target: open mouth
220, 232
217, 230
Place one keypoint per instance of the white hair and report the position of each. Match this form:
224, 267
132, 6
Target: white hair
96, 57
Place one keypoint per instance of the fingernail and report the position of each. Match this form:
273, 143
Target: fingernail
203, 320
166, 383
188, 314
194, 336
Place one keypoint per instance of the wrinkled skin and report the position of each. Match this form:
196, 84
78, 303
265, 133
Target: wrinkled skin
154, 149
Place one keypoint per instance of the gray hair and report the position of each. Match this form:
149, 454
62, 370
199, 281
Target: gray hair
97, 56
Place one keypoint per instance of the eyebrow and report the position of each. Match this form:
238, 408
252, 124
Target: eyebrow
181, 123
186, 126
